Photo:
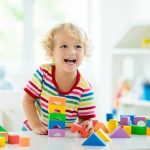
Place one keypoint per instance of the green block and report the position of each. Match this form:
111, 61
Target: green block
57, 116
2, 129
139, 130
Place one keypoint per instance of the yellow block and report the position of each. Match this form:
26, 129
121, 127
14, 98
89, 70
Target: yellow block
103, 135
52, 108
127, 129
2, 141
147, 131
112, 125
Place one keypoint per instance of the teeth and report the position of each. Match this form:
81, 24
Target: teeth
70, 60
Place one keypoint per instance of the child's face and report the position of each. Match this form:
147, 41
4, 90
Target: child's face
68, 52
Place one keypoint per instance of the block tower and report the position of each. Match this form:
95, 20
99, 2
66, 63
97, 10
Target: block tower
57, 116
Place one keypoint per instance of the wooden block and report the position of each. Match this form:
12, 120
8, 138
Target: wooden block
13, 139
127, 129
94, 140
78, 128
99, 125
55, 108
24, 141
147, 131
148, 122
2, 142
119, 133
103, 135
57, 100
109, 116
112, 125
139, 130
57, 116
56, 124
125, 120
2, 129
138, 119
5, 135
56, 132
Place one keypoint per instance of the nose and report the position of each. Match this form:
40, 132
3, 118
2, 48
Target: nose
72, 50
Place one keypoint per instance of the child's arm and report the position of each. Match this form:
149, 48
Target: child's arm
87, 124
32, 116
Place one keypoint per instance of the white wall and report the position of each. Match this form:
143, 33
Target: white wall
115, 17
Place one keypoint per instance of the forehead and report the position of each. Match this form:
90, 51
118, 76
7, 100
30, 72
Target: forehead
65, 35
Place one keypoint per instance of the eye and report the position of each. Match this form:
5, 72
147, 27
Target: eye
63, 46
78, 46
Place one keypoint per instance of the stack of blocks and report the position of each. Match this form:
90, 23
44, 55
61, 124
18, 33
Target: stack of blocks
57, 116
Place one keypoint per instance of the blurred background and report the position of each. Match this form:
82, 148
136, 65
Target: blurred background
119, 67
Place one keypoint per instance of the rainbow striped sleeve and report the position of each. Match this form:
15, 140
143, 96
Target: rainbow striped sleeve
86, 108
34, 85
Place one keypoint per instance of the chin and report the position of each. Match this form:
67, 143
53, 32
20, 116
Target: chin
70, 70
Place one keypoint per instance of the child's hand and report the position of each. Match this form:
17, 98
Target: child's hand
40, 129
88, 125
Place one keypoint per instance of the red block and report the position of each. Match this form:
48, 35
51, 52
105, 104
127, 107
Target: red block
13, 139
78, 128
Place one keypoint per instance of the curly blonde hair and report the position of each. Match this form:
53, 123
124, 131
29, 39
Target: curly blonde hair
77, 32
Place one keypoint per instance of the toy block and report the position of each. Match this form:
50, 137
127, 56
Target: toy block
139, 119
2, 129
127, 129
57, 100
147, 131
148, 123
94, 140
56, 124
56, 132
5, 135
99, 125
139, 130
104, 128
109, 116
125, 120
57, 108
112, 125
131, 118
24, 141
13, 139
78, 128
57, 116
103, 135
119, 133
2, 142
96, 125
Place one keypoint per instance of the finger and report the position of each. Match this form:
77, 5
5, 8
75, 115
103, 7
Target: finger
44, 131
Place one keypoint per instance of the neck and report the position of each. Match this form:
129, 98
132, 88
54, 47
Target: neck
65, 80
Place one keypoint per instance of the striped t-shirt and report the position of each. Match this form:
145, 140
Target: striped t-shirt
79, 99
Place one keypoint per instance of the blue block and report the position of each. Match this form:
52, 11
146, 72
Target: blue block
109, 116
56, 124
94, 140
148, 123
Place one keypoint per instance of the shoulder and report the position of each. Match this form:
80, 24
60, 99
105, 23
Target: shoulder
46, 68
84, 83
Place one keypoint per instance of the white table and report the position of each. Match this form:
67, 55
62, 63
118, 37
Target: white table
73, 142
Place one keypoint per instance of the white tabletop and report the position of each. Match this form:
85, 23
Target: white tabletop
74, 142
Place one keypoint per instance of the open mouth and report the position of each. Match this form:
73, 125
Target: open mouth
72, 61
